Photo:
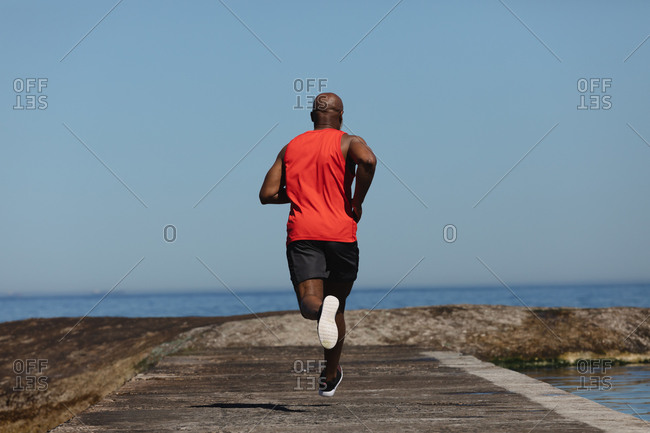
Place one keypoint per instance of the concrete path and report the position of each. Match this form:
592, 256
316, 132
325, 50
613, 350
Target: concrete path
384, 389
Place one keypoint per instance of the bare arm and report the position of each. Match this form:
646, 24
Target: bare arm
273, 189
361, 154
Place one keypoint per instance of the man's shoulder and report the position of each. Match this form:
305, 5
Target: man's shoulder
299, 137
354, 137
348, 139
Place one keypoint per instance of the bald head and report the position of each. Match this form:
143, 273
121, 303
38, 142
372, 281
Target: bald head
327, 111
328, 102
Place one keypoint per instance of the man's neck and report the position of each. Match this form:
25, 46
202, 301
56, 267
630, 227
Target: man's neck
325, 126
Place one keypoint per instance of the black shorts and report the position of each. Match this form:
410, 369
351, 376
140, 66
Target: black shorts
327, 260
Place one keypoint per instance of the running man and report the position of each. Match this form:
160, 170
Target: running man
314, 172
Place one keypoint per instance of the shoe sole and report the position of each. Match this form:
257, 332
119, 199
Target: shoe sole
331, 393
328, 332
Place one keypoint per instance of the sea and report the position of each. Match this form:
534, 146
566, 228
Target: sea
622, 388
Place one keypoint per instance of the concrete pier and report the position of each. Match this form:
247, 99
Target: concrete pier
384, 389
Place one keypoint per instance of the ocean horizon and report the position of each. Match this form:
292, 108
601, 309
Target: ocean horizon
227, 303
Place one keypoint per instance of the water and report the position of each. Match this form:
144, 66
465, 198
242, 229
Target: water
630, 385
220, 303
625, 389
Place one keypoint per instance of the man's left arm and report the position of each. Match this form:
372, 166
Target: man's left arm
273, 189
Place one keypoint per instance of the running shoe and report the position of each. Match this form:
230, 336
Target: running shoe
328, 333
327, 389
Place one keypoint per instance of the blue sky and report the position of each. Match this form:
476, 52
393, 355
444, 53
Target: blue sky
150, 109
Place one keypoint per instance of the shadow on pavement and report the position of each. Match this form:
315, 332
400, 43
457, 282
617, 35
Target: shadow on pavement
269, 406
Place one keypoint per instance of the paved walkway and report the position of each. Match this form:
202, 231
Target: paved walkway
384, 389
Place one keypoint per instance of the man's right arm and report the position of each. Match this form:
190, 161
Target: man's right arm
273, 189
361, 154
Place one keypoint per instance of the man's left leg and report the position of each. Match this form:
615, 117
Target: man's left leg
310, 297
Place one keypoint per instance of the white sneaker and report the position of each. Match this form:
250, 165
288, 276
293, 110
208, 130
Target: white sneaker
328, 332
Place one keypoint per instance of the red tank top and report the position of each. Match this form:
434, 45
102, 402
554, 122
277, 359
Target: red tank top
319, 188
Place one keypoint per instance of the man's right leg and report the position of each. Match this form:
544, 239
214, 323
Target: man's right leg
332, 356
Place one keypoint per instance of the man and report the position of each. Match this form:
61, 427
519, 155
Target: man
314, 172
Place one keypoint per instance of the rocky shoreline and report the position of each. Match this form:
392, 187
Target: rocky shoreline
100, 354
500, 334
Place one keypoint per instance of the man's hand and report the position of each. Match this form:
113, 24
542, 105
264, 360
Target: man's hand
356, 212
359, 152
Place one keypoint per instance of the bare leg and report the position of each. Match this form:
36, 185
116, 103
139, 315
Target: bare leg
332, 356
310, 297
